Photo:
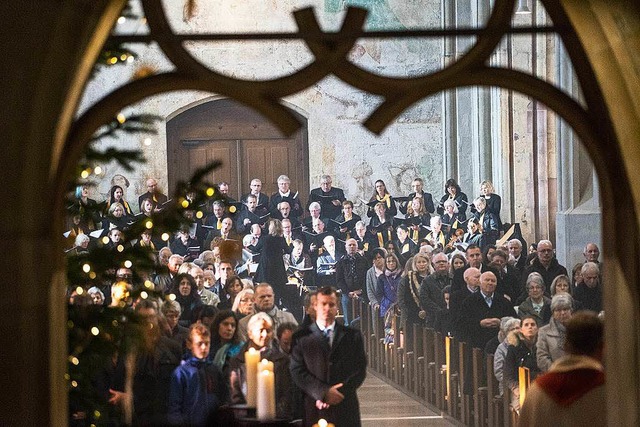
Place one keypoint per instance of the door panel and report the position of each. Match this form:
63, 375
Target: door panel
248, 145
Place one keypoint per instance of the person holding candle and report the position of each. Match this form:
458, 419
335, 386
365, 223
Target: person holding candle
328, 363
198, 387
260, 332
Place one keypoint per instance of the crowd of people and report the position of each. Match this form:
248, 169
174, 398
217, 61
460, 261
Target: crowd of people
245, 276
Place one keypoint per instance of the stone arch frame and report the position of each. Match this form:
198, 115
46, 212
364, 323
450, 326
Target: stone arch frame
608, 80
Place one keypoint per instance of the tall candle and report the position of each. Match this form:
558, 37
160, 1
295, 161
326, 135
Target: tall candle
265, 365
266, 399
251, 359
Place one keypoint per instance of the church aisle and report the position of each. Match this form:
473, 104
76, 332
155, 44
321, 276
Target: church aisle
382, 405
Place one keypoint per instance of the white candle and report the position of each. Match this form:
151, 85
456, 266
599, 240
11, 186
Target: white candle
266, 399
251, 359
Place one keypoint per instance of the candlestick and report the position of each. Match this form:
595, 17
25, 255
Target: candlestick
266, 398
251, 360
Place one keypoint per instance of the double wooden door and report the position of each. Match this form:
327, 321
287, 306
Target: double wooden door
248, 145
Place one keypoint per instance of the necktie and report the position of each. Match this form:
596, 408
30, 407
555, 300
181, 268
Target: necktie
327, 336
488, 300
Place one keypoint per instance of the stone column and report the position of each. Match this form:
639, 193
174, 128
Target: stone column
46, 65
579, 217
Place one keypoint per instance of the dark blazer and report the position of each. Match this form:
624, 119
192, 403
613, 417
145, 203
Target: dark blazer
328, 209
315, 367
474, 309
426, 197
347, 282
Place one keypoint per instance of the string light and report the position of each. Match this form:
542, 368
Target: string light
95, 331
149, 284
172, 297
97, 170
149, 224
185, 203
210, 191
147, 141
86, 268
74, 360
96, 414
120, 117
85, 174
199, 214
232, 209
130, 58
128, 264
70, 324
122, 20
120, 248
105, 239
144, 295
74, 384
92, 275
165, 236
123, 57
79, 290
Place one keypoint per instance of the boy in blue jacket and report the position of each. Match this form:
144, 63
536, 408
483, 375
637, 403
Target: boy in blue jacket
197, 387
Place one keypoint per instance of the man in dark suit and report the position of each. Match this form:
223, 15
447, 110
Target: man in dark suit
351, 275
328, 363
285, 194
157, 198
262, 199
417, 186
483, 310
329, 197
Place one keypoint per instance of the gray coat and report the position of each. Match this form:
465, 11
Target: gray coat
550, 344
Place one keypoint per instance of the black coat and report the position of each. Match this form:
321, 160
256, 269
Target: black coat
328, 209
474, 309
347, 282
315, 367
271, 266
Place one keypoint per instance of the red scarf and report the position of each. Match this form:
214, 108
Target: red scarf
567, 387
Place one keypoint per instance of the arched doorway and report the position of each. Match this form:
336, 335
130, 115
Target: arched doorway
248, 145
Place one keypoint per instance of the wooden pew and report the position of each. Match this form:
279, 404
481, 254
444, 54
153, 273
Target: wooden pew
480, 400
463, 371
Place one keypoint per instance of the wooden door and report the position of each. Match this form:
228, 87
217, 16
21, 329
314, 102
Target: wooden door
248, 145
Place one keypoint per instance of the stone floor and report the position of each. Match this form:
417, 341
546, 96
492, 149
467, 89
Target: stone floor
382, 405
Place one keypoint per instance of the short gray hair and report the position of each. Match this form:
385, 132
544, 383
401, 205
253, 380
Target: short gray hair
537, 279
259, 317
561, 301
169, 306
590, 266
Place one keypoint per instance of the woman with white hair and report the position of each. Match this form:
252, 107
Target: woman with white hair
508, 324
536, 304
550, 346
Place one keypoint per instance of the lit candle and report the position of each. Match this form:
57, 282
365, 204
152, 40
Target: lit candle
251, 359
266, 399
323, 423
265, 365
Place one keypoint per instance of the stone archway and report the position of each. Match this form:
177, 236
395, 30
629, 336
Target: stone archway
42, 98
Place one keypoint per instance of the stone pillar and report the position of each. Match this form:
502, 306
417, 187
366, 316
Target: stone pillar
44, 72
579, 217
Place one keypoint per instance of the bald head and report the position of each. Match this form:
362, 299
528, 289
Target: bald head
351, 246
488, 282
472, 277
